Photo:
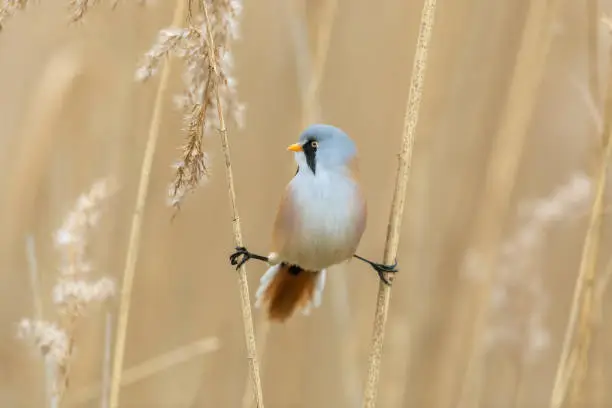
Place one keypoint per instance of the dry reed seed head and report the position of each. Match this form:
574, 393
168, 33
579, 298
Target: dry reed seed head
50, 340
73, 296
72, 293
188, 176
9, 8
562, 202
70, 238
169, 41
519, 297
224, 20
78, 8
192, 171
201, 80
190, 45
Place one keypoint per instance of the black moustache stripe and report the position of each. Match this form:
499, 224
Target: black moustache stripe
310, 153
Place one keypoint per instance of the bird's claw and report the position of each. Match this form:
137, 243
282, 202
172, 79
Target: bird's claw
381, 269
240, 252
386, 268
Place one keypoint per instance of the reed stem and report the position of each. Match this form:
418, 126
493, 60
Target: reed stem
247, 316
399, 197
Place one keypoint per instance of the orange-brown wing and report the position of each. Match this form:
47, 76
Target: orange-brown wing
362, 216
284, 224
362, 213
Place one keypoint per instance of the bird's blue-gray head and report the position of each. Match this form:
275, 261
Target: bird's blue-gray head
323, 146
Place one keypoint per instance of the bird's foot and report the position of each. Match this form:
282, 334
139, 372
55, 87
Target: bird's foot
235, 258
381, 269
242, 255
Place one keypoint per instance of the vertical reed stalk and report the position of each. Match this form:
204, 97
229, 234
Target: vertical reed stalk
247, 316
136, 227
573, 363
399, 196
596, 381
145, 370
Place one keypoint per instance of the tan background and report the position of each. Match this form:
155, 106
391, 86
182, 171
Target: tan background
184, 288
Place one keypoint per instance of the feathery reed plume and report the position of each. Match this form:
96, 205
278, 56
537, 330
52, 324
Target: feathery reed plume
197, 100
78, 8
519, 298
417, 80
519, 289
136, 227
73, 292
209, 91
573, 362
10, 8
57, 81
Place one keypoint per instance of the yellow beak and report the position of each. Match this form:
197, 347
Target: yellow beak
296, 147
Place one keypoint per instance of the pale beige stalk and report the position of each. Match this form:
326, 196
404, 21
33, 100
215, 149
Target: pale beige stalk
137, 219
596, 385
247, 315
573, 363
399, 196
149, 368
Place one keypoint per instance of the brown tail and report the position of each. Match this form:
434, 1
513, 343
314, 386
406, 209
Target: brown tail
286, 288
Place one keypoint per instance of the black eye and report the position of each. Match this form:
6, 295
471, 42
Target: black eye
314, 144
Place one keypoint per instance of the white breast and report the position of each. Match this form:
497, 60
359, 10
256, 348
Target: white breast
329, 213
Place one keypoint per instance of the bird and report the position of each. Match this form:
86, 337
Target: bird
319, 223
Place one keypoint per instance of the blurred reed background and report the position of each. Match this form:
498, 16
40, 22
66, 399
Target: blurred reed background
72, 113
